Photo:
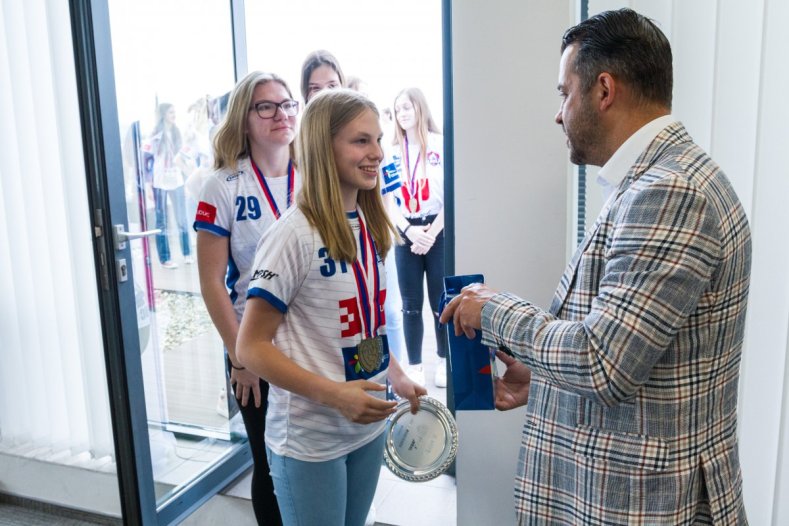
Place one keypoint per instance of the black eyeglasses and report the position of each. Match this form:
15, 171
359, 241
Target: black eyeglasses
267, 109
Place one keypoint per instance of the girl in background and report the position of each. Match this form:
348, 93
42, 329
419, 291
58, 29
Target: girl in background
164, 144
414, 174
314, 324
254, 183
320, 71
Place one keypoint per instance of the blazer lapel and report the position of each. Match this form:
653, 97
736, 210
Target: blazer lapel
670, 135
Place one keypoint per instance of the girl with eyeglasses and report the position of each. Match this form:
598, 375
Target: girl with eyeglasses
314, 325
254, 183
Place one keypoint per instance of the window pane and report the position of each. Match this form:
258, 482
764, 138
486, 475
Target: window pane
173, 63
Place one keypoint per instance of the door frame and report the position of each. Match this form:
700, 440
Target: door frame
90, 23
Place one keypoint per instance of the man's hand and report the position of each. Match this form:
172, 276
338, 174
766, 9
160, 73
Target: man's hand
512, 389
465, 309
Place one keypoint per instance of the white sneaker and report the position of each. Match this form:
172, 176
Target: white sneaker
441, 373
170, 264
370, 520
416, 374
189, 260
221, 403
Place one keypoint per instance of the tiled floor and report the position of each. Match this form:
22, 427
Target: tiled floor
402, 503
432, 503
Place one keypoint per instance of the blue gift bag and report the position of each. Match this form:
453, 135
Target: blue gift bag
469, 360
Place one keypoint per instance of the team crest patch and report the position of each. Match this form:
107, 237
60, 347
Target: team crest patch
391, 177
433, 158
206, 213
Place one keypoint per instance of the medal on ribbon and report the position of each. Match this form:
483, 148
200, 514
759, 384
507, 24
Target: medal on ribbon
411, 188
370, 350
272, 204
371, 353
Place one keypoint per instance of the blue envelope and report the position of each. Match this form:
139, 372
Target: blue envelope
469, 361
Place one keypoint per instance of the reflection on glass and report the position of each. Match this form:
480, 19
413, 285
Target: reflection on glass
174, 68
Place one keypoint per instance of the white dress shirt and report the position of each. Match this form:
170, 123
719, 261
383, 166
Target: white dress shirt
612, 173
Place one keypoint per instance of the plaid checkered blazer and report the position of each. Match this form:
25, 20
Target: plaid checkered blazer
631, 417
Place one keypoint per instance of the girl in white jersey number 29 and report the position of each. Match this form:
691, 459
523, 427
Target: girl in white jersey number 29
254, 181
314, 324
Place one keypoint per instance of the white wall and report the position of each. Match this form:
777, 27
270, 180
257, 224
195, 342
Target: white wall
512, 196
511, 187
764, 404
730, 84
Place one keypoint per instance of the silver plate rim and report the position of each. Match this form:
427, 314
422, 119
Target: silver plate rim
442, 414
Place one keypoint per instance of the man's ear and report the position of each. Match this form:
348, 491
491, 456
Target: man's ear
607, 90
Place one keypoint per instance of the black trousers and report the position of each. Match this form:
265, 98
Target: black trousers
412, 269
264, 502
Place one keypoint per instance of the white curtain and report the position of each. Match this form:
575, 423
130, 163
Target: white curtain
53, 386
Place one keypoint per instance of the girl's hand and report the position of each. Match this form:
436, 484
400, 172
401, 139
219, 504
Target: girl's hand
355, 404
245, 383
421, 239
404, 387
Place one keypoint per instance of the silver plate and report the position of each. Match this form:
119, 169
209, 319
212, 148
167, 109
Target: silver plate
420, 447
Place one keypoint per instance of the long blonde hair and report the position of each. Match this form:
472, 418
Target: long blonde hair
230, 141
320, 200
424, 123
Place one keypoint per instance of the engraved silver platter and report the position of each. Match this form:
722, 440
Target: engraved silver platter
420, 447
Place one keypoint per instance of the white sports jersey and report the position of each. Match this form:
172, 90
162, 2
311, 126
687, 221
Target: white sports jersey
233, 204
322, 326
429, 187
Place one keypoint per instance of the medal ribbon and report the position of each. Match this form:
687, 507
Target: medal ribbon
371, 319
413, 187
272, 204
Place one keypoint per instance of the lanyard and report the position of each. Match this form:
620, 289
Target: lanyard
412, 186
369, 300
272, 204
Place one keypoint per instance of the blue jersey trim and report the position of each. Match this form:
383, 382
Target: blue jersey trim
275, 302
233, 274
209, 227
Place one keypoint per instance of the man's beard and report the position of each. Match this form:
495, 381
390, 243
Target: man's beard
584, 136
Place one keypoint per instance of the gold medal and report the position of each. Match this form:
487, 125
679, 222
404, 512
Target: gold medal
371, 353
412, 204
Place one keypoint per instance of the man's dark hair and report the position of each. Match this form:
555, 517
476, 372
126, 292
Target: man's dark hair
627, 45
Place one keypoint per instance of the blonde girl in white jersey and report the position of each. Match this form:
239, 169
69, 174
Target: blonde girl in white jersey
314, 322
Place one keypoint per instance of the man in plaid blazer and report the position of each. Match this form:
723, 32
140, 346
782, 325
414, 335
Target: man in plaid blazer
630, 379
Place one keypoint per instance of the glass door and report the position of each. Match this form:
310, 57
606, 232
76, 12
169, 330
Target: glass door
173, 62
151, 76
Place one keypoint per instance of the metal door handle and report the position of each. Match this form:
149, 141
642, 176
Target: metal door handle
120, 235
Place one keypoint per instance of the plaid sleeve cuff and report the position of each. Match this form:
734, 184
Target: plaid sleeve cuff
501, 317
498, 301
